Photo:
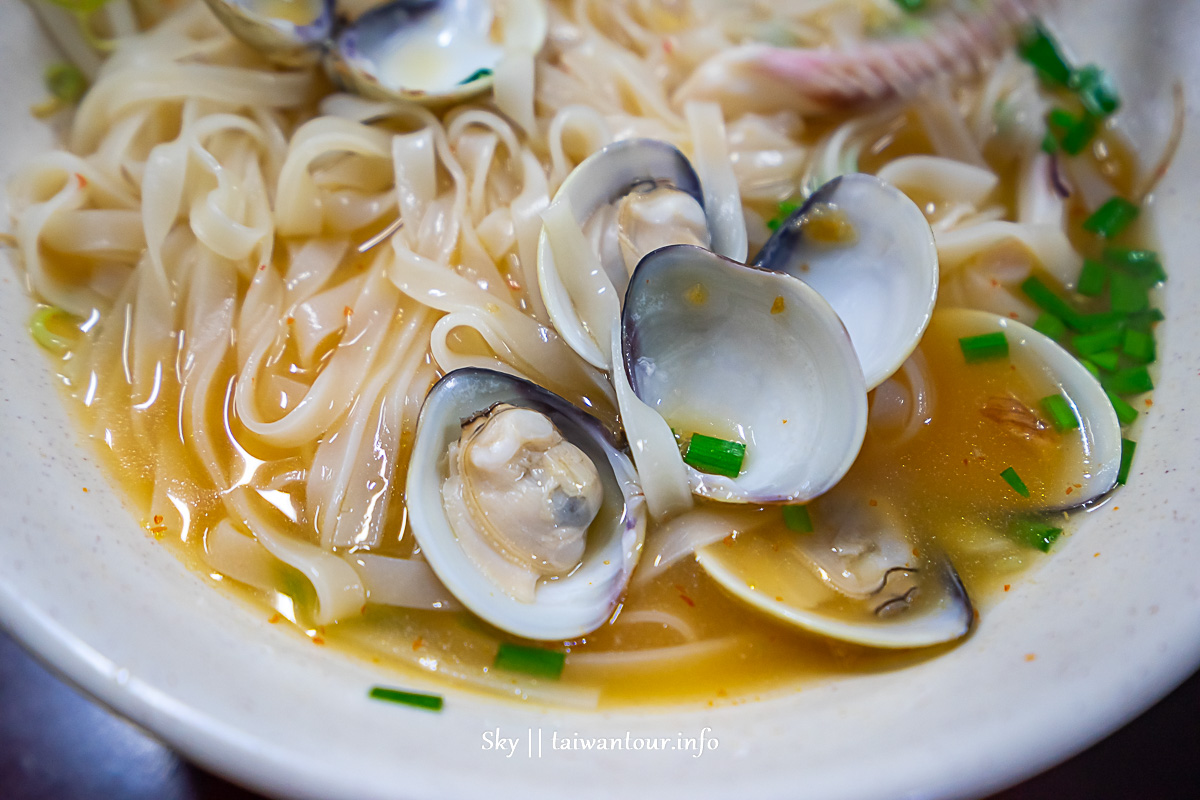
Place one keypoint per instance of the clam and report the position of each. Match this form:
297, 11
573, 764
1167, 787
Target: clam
434, 52
856, 577
522, 505
289, 32
1099, 431
867, 248
627, 199
748, 355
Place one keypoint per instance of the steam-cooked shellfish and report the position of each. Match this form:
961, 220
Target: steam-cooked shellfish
522, 505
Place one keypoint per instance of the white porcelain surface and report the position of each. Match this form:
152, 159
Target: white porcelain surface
85, 587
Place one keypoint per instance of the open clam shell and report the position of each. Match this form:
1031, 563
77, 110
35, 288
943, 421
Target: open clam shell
855, 578
597, 184
434, 52
751, 355
868, 249
289, 32
563, 606
1099, 430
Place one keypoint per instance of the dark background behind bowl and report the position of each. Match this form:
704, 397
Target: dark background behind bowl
55, 743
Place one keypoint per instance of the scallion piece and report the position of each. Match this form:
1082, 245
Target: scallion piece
430, 702
1111, 218
1092, 278
785, 210
1127, 293
1049, 143
1091, 323
42, 327
1125, 412
1034, 533
530, 660
1049, 301
715, 456
797, 518
1107, 360
1088, 343
911, 5
1095, 90
1090, 367
1142, 263
1077, 137
483, 72
1073, 133
1127, 448
1060, 412
1041, 51
1050, 325
1139, 346
1014, 480
984, 347
1134, 380
1144, 320
65, 82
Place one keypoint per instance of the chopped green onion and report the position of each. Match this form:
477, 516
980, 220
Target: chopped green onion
1128, 294
431, 702
1014, 480
1060, 412
1041, 51
797, 519
1127, 448
715, 456
1144, 320
1139, 346
1090, 367
41, 327
1049, 301
1111, 218
1091, 323
531, 660
1092, 278
911, 5
984, 347
1095, 90
476, 75
1049, 143
1108, 360
1079, 135
1073, 133
1142, 263
1125, 412
785, 210
1050, 325
1034, 533
1088, 343
1134, 380
65, 82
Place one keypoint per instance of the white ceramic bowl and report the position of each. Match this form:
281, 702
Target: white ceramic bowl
82, 585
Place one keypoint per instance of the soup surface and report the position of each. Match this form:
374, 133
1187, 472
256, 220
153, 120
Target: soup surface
254, 375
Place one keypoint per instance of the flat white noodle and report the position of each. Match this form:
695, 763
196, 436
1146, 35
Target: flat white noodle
404, 582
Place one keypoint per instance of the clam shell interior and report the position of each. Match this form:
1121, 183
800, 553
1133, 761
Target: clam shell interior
564, 607
751, 355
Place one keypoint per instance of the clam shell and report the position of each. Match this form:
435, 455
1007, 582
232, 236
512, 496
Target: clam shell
432, 52
1099, 430
882, 282
602, 178
279, 39
901, 601
743, 353
564, 607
